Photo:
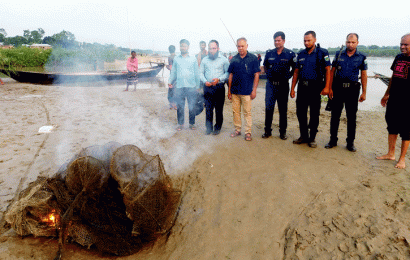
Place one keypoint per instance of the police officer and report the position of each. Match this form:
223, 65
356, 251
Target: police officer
279, 65
313, 72
345, 89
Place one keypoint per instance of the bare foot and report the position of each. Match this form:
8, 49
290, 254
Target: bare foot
400, 164
386, 157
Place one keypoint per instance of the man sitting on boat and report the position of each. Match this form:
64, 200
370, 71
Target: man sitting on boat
132, 67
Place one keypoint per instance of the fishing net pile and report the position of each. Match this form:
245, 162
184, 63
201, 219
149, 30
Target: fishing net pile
113, 197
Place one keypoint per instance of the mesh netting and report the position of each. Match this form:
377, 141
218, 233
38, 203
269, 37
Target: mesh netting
114, 197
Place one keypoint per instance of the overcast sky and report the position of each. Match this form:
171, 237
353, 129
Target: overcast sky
155, 24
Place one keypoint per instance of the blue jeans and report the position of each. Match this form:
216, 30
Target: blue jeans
190, 94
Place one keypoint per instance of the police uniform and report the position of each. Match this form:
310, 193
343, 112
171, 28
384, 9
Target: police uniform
346, 91
279, 69
311, 83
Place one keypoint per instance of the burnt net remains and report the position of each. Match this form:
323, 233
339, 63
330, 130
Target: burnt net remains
113, 197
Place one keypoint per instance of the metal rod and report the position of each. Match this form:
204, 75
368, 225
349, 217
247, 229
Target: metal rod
228, 32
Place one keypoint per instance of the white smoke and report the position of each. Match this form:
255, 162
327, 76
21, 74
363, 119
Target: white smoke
97, 115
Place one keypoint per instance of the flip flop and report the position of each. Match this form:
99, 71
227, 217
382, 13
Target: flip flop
248, 137
235, 133
179, 128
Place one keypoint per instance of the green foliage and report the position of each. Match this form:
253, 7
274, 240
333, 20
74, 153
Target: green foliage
85, 57
373, 50
34, 36
23, 57
64, 39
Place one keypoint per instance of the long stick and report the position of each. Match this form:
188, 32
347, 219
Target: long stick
229, 32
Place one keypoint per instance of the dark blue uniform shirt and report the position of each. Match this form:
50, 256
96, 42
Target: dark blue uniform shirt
243, 71
348, 67
312, 66
279, 67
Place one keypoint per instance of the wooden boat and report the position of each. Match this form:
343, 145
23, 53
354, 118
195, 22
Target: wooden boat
62, 78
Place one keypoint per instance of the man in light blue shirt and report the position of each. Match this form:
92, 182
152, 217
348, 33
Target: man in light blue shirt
214, 73
185, 79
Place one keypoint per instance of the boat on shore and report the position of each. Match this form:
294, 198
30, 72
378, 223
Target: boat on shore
79, 77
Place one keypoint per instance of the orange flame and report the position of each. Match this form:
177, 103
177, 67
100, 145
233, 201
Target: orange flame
51, 218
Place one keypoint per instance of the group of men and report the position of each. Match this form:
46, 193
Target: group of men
311, 70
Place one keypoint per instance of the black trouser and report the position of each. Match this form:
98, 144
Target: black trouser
308, 98
180, 94
214, 99
344, 94
276, 91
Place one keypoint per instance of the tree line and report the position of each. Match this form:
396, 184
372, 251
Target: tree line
66, 51
370, 51
63, 39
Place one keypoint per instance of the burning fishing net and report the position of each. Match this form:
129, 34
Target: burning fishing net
113, 197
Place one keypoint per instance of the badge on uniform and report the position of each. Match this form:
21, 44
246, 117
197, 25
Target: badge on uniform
326, 58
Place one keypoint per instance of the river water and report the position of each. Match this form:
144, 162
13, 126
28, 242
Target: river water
375, 87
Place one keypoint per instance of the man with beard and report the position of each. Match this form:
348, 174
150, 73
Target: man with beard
397, 100
184, 78
313, 72
202, 54
214, 73
242, 83
279, 65
345, 89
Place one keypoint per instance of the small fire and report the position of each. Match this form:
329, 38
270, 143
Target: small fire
51, 218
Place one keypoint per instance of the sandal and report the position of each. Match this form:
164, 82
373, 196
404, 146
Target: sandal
192, 127
235, 133
248, 137
180, 127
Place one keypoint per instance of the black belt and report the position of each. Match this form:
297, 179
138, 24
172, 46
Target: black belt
277, 83
348, 84
309, 82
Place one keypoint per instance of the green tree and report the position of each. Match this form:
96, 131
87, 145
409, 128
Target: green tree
17, 41
49, 40
3, 35
64, 39
33, 36
37, 36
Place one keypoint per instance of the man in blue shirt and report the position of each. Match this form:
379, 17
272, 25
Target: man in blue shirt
242, 83
313, 73
345, 89
184, 78
279, 65
214, 73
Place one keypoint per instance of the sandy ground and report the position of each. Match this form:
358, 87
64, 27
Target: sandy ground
264, 199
